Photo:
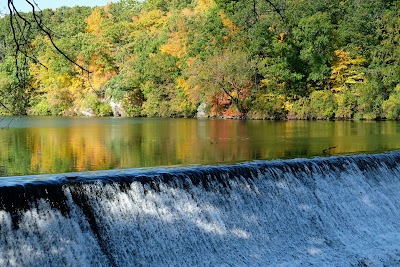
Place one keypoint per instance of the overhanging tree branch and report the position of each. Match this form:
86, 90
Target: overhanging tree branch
23, 27
276, 9
23, 41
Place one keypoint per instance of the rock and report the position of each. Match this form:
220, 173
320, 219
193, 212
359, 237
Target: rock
201, 111
117, 109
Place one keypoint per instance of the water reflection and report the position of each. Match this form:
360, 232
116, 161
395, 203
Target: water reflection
33, 145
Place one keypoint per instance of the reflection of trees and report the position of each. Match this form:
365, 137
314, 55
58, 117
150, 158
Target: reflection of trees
14, 152
125, 143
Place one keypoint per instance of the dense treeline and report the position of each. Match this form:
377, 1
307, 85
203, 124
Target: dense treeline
262, 59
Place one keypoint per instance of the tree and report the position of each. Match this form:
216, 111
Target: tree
258, 58
24, 27
346, 71
227, 79
315, 35
385, 56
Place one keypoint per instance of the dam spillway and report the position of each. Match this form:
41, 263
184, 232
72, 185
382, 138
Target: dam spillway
333, 211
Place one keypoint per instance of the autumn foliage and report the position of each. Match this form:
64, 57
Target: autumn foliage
269, 60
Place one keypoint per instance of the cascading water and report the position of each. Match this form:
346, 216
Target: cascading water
338, 211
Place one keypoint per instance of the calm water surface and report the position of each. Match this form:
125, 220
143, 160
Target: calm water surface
36, 145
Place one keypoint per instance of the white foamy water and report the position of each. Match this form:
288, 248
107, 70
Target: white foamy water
317, 212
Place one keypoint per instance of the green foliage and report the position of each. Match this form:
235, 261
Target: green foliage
282, 70
386, 55
267, 106
346, 104
132, 103
316, 38
5, 87
369, 100
13, 95
391, 106
357, 28
207, 35
322, 104
124, 10
300, 109
121, 84
103, 109
67, 21
153, 96
273, 59
40, 108
92, 104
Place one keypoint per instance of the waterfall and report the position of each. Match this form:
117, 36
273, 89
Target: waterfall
335, 211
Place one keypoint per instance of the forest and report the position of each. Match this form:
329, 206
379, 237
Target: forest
250, 59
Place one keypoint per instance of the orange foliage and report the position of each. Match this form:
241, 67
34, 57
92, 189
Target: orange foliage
228, 23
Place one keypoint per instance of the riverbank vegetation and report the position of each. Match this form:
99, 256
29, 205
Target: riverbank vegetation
259, 59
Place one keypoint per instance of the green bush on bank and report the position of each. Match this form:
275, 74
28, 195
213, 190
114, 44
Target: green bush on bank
267, 106
323, 105
391, 106
370, 99
300, 109
346, 105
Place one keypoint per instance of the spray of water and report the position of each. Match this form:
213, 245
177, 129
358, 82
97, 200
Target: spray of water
339, 211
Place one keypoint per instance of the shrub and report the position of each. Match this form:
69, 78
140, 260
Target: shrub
391, 106
268, 106
369, 101
323, 104
40, 108
300, 109
346, 104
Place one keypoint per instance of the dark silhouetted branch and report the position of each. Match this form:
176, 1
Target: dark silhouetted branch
327, 150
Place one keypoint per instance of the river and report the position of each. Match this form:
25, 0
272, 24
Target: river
45, 145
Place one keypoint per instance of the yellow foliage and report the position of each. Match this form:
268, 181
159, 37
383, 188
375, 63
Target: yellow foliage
264, 83
234, 94
346, 70
187, 12
150, 20
63, 80
275, 98
94, 22
183, 84
228, 23
281, 37
288, 105
77, 85
203, 5
175, 46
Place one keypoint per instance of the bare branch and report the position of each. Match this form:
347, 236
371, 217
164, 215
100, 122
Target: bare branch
22, 26
327, 150
19, 33
277, 10
48, 34
256, 16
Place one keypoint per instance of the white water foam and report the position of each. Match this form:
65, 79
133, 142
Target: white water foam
314, 216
